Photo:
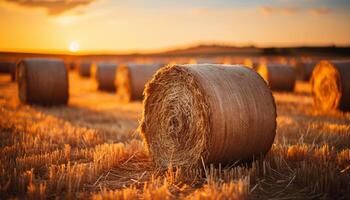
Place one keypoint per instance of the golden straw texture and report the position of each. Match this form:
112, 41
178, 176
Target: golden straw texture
221, 113
104, 74
132, 78
84, 69
280, 77
331, 85
42, 81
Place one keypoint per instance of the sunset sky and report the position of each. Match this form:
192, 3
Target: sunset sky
130, 26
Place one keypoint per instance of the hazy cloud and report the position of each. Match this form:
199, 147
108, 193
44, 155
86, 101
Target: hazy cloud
200, 11
53, 7
267, 10
320, 11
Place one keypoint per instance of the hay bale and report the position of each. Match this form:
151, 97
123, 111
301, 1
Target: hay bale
104, 74
280, 77
304, 69
251, 63
71, 65
42, 81
8, 67
84, 69
220, 113
331, 85
132, 78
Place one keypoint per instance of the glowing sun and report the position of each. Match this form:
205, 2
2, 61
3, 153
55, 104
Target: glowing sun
74, 47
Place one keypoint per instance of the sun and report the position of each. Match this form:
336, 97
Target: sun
74, 46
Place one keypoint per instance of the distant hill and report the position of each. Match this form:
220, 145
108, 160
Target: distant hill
203, 50
213, 49
251, 50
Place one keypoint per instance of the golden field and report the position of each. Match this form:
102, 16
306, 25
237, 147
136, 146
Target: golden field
92, 149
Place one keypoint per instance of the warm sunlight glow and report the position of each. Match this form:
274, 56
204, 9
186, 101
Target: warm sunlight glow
74, 47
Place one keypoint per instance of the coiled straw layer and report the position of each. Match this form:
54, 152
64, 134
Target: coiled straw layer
280, 77
132, 78
218, 113
331, 85
104, 74
42, 81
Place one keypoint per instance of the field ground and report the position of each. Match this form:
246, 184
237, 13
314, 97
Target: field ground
91, 149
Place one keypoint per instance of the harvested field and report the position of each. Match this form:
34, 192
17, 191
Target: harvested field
92, 149
167, 100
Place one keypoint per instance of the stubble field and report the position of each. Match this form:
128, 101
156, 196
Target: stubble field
92, 149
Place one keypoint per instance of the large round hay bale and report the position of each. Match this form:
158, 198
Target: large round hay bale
104, 74
218, 113
132, 78
330, 84
84, 69
8, 67
42, 81
280, 77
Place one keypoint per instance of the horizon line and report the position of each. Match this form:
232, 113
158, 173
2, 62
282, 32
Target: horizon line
167, 50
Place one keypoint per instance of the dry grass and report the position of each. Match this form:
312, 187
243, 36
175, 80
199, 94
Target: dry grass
91, 149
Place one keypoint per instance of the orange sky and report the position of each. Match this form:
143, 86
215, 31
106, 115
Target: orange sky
111, 26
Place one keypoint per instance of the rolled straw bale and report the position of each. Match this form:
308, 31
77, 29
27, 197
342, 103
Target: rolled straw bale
132, 78
203, 60
42, 81
84, 69
251, 63
218, 113
8, 67
104, 74
331, 85
280, 77
71, 65
304, 69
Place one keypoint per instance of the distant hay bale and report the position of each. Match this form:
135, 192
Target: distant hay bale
104, 74
331, 85
71, 65
42, 81
84, 69
8, 67
304, 69
132, 78
220, 113
251, 63
280, 77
